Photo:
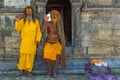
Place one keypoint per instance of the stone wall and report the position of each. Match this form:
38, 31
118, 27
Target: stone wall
9, 37
100, 27
101, 32
16, 3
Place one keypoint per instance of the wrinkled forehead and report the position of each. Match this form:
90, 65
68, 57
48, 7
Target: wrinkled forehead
54, 13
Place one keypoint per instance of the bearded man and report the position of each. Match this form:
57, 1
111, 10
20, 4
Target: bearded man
30, 34
54, 48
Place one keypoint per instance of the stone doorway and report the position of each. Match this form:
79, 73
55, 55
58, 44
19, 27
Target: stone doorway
64, 7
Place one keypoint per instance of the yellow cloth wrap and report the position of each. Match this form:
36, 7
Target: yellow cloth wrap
51, 50
30, 34
26, 62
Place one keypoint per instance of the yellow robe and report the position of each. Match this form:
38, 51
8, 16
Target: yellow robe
51, 50
30, 34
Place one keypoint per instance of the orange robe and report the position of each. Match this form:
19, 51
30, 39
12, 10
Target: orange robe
51, 50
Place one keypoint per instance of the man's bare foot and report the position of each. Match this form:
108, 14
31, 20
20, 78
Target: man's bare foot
55, 75
49, 74
20, 73
30, 74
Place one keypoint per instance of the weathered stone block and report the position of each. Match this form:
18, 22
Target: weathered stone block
100, 21
13, 45
94, 38
115, 37
116, 26
10, 39
115, 43
84, 50
117, 49
15, 33
105, 37
85, 17
16, 3
6, 32
12, 51
101, 43
99, 2
93, 31
77, 42
89, 35
2, 20
2, 50
117, 2
77, 50
2, 45
85, 37
116, 32
115, 18
100, 50
106, 26
104, 32
86, 43
12, 42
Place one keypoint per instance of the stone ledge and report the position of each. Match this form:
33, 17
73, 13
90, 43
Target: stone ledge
101, 8
73, 67
11, 10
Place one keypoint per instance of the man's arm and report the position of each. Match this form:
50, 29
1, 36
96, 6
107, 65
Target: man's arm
39, 35
18, 23
44, 27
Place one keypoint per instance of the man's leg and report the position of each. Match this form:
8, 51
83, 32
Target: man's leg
56, 66
48, 62
21, 64
29, 63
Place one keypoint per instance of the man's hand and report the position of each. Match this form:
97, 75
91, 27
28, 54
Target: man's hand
46, 19
37, 43
17, 17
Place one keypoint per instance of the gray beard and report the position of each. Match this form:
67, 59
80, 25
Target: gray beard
29, 17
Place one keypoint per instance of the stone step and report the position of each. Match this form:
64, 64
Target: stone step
72, 66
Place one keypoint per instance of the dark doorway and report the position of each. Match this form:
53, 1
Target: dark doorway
64, 7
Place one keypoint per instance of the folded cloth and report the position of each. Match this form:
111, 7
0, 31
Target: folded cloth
92, 76
100, 70
101, 64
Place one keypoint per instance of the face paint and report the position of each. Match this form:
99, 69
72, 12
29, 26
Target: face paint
28, 10
28, 13
54, 16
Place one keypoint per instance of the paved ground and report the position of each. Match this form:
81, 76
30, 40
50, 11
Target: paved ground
10, 76
43, 77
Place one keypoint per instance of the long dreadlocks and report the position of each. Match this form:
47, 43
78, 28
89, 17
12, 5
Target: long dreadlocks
62, 37
25, 14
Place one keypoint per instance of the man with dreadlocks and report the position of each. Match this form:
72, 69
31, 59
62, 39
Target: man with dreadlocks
54, 49
30, 34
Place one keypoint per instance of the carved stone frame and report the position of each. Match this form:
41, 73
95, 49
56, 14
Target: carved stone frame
76, 16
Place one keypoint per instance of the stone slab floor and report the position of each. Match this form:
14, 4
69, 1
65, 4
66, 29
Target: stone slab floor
43, 77
10, 76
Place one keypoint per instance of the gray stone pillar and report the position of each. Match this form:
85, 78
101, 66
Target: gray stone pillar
76, 25
41, 11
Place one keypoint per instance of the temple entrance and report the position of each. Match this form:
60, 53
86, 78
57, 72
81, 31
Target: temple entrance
64, 7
